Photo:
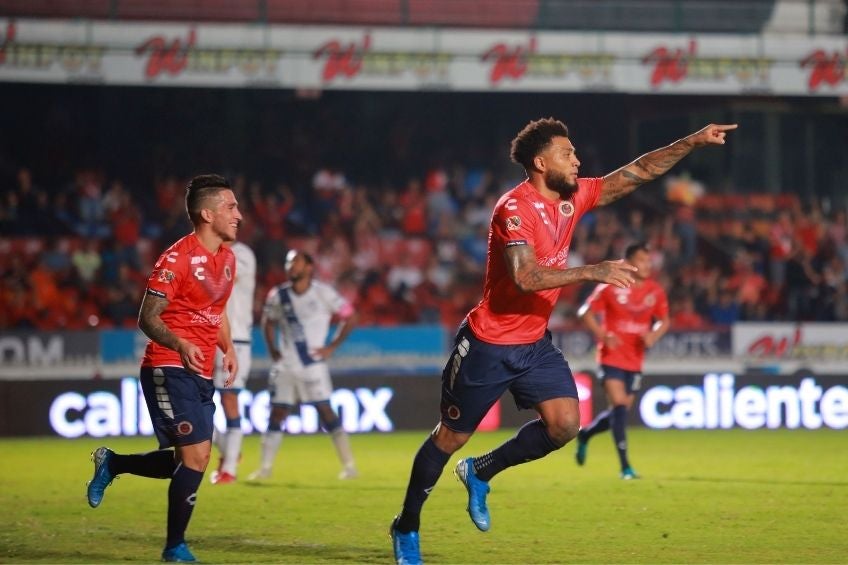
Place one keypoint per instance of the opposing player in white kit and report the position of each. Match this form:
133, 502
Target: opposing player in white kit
303, 308
240, 314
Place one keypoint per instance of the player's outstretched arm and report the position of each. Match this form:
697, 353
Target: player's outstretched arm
529, 276
150, 322
651, 165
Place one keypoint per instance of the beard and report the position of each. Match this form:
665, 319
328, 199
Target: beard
557, 182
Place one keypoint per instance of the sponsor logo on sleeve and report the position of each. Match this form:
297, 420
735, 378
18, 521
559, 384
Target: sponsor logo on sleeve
166, 276
158, 293
513, 223
516, 242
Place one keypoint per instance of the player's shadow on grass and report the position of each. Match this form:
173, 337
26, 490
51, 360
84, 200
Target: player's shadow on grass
757, 481
339, 485
291, 552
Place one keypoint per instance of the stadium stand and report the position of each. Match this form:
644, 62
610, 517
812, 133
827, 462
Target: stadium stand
756, 256
76, 239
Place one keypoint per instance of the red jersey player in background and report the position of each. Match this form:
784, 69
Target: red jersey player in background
632, 320
183, 314
503, 342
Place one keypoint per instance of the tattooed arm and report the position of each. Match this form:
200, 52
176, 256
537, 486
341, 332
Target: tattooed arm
150, 322
651, 165
529, 276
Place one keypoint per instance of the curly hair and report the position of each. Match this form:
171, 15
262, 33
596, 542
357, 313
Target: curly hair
533, 139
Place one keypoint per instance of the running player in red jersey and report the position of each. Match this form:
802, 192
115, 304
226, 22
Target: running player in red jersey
503, 342
183, 315
633, 320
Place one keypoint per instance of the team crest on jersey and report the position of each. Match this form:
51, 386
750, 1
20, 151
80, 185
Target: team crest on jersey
166, 276
184, 428
513, 223
622, 295
228, 273
566, 209
453, 412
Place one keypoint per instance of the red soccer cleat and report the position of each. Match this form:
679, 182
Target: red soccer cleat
223, 478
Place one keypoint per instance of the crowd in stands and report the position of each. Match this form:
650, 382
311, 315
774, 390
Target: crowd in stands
77, 256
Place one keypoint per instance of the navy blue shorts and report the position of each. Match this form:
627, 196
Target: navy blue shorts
632, 379
478, 373
180, 405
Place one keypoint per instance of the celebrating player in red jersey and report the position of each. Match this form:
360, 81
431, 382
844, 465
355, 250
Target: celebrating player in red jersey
183, 315
634, 319
503, 343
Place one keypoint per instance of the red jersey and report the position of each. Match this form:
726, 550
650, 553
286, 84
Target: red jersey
197, 284
522, 216
629, 313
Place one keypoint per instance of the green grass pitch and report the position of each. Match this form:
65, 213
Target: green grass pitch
706, 497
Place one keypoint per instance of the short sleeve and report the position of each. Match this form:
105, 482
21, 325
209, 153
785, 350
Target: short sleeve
246, 263
271, 308
513, 222
588, 194
336, 303
167, 274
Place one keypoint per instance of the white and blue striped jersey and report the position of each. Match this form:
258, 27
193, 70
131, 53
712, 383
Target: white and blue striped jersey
303, 319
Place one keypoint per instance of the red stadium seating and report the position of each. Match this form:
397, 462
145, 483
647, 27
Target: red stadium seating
501, 13
378, 12
95, 9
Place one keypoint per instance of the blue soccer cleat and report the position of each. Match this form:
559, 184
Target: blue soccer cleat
477, 491
628, 474
405, 545
102, 475
178, 554
580, 454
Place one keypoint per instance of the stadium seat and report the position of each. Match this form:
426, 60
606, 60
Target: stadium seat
379, 12
500, 14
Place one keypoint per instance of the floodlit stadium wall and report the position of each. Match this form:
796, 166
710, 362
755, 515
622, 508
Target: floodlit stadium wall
752, 376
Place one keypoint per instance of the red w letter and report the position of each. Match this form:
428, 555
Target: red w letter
166, 58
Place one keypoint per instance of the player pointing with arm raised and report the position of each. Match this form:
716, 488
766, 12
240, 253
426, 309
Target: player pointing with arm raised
503, 342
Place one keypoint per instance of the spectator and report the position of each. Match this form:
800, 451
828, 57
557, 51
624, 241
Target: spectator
725, 310
685, 317
86, 260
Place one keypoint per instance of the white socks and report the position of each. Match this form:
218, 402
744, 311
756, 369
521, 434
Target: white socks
231, 450
270, 446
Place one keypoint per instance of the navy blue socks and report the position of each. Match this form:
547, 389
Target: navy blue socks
530, 443
601, 423
155, 464
618, 421
182, 495
427, 467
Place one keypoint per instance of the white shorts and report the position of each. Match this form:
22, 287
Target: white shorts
243, 356
295, 385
